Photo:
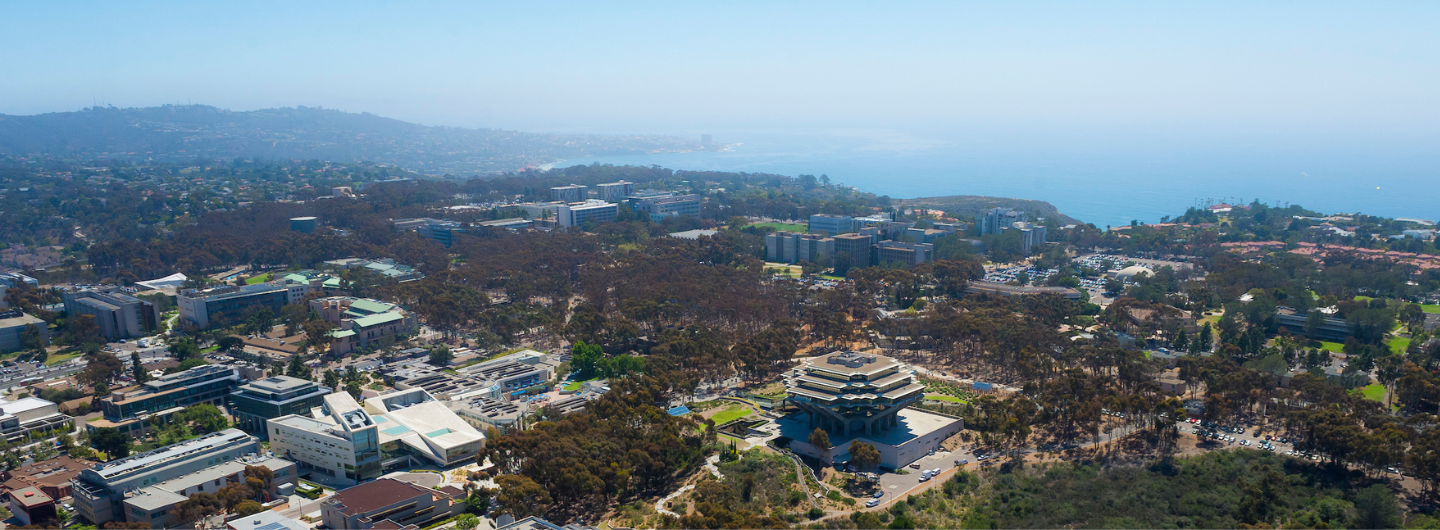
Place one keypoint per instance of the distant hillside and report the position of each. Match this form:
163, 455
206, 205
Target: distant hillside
973, 205
181, 133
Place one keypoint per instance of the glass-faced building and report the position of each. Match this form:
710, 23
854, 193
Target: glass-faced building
255, 403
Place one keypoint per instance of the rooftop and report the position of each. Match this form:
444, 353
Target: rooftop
30, 497
372, 496
279, 384
266, 520
203, 444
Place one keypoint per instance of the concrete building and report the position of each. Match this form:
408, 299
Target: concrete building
30, 414
384, 266
354, 443
152, 504
1328, 328
100, 491
119, 315
908, 253
593, 211
341, 440
229, 305
33, 507
304, 225
832, 224
258, 402
615, 191
129, 408
856, 396
790, 247
513, 374
659, 208
417, 430
536, 210
444, 385
571, 193
13, 324
1032, 236
996, 220
11, 280
388, 503
362, 322
856, 246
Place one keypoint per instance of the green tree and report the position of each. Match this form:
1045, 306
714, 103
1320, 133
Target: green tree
298, 369
1377, 507
441, 356
111, 441
137, 368
585, 359
466, 521
864, 455
820, 440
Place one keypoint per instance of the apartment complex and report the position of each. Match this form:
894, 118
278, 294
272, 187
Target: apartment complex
119, 315
592, 211
128, 408
260, 401
361, 322
229, 305
790, 247
615, 191
571, 193
100, 491
13, 325
661, 207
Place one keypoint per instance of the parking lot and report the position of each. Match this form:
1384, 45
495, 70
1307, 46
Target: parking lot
894, 484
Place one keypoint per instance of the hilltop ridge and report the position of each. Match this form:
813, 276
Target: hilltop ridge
188, 132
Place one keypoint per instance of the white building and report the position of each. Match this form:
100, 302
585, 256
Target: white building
29, 414
594, 211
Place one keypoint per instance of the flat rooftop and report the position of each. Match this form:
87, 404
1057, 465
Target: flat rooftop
910, 424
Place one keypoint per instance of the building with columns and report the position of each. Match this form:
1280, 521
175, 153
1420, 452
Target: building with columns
859, 396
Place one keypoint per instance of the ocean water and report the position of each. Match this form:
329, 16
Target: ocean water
1100, 180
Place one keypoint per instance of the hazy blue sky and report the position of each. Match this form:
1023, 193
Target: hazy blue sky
1294, 68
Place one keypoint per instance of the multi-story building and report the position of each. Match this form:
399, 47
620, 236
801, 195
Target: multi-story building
615, 191
119, 315
853, 396
260, 401
790, 247
152, 504
536, 210
128, 408
390, 504
100, 491
361, 322
51, 476
385, 267
33, 507
571, 193
659, 208
342, 443
444, 385
13, 325
1032, 236
485, 413
355, 443
594, 211
1326, 326
832, 224
997, 220
10, 280
909, 253
856, 246
30, 414
229, 305
514, 374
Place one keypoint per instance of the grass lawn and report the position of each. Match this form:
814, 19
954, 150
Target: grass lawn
730, 414
829, 277
1399, 344
1363, 298
945, 398
1431, 308
1334, 347
1374, 392
575, 385
787, 269
1212, 319
786, 227
261, 278
62, 357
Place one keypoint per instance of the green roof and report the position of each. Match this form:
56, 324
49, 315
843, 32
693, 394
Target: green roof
342, 333
332, 283
297, 278
370, 306
376, 320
